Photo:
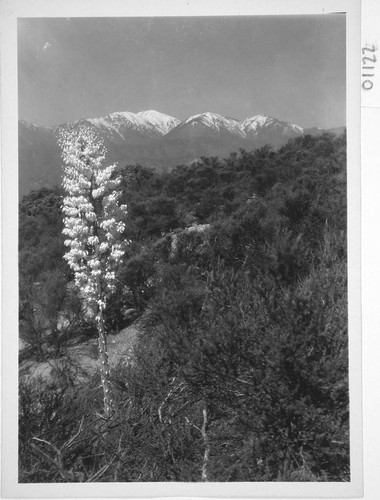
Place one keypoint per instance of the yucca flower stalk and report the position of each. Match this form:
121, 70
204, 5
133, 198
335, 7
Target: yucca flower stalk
94, 226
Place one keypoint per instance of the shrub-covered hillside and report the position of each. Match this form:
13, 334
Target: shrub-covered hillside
236, 276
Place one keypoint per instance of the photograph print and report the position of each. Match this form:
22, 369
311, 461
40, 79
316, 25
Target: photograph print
183, 311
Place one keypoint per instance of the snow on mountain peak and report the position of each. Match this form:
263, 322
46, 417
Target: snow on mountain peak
115, 119
255, 122
152, 122
164, 123
120, 127
207, 117
127, 116
216, 122
258, 122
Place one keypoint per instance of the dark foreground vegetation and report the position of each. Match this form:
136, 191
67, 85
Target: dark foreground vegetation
236, 272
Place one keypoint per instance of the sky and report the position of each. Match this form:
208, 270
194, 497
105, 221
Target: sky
289, 67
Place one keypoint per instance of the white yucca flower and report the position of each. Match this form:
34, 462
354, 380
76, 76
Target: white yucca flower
93, 240
94, 263
103, 247
108, 224
93, 229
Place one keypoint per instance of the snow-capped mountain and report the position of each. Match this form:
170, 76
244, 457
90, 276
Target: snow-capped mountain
210, 123
126, 127
122, 126
149, 138
261, 123
161, 122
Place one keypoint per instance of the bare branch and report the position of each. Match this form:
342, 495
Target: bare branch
207, 445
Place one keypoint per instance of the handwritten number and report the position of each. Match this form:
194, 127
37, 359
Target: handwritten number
370, 59
369, 49
367, 84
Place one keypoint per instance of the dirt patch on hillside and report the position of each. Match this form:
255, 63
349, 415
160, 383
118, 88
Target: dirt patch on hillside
81, 361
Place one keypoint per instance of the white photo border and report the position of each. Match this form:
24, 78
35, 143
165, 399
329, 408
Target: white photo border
14, 9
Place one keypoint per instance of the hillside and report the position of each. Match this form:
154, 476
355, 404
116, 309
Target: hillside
237, 275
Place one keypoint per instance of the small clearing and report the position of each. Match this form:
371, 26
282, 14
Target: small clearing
81, 360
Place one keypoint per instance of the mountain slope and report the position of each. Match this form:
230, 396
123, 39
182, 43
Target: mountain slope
39, 157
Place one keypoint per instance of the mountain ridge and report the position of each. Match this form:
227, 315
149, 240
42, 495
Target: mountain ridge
146, 120
150, 138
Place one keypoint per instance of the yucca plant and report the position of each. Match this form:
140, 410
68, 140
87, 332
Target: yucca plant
94, 226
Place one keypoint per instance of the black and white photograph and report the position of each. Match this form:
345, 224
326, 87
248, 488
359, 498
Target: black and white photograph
183, 258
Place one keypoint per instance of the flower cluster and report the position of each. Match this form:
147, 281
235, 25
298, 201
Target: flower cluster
93, 216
